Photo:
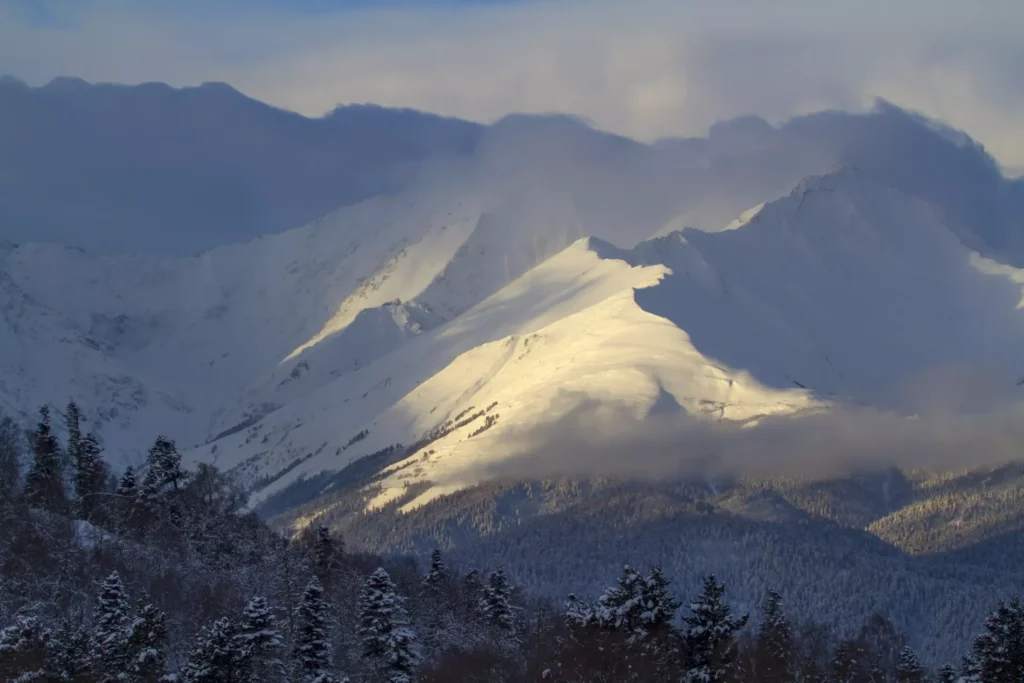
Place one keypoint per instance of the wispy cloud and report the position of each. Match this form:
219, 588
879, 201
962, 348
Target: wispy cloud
648, 68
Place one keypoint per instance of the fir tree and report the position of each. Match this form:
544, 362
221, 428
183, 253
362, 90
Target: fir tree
312, 646
214, 658
259, 642
44, 484
710, 635
946, 674
496, 602
774, 645
146, 640
110, 654
908, 668
383, 628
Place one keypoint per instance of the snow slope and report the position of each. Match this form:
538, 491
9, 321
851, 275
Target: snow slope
844, 288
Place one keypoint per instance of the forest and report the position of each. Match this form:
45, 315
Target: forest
161, 574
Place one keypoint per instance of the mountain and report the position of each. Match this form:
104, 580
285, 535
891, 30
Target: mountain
827, 294
161, 170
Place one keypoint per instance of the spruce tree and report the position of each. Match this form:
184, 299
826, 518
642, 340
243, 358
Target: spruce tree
165, 460
44, 484
259, 642
90, 475
436, 580
970, 671
619, 608
68, 654
383, 628
999, 650
110, 655
312, 653
147, 637
10, 458
72, 422
844, 666
710, 635
946, 674
496, 602
326, 555
774, 645
23, 650
659, 605
471, 588
214, 657
127, 486
908, 668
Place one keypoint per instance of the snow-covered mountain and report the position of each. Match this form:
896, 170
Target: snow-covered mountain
550, 267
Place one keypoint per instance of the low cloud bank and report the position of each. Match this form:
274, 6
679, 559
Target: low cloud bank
948, 420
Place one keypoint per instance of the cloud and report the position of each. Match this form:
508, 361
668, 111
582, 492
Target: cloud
949, 418
648, 68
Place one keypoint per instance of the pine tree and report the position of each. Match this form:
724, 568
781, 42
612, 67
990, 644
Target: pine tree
436, 580
44, 485
999, 650
710, 635
970, 671
908, 668
496, 602
774, 646
23, 650
312, 646
109, 646
259, 641
214, 658
146, 640
90, 475
383, 627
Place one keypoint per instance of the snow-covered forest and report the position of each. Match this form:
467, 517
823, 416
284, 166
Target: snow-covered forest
161, 575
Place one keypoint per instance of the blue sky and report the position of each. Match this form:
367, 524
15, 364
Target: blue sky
645, 68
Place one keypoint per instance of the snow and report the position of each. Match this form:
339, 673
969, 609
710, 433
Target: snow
481, 291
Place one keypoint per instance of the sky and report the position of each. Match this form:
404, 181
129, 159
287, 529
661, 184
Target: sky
643, 68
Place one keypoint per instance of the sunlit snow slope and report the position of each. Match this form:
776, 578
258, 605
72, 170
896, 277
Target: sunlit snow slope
840, 290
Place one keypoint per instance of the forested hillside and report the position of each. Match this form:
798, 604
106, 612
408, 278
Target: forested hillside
160, 575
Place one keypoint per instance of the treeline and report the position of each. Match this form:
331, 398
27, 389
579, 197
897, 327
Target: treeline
159, 575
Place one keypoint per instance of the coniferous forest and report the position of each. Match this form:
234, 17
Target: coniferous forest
162, 575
